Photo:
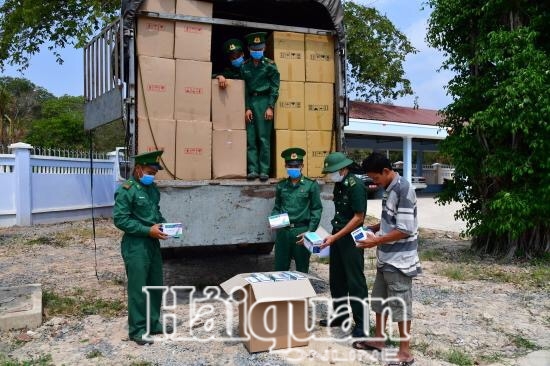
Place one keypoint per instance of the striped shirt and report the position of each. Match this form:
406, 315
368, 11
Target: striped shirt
399, 212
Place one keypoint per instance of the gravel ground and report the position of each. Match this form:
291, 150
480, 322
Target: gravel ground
485, 321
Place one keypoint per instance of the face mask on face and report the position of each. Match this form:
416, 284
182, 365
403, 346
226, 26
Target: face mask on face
336, 177
294, 173
237, 62
147, 179
256, 55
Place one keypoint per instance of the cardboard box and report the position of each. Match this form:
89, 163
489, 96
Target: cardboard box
155, 37
283, 140
313, 241
193, 150
319, 145
361, 234
287, 49
228, 105
192, 41
194, 8
276, 301
163, 137
290, 106
159, 6
279, 221
319, 58
172, 229
319, 109
228, 154
193, 90
155, 87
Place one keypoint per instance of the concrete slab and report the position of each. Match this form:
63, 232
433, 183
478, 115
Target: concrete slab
21, 307
538, 358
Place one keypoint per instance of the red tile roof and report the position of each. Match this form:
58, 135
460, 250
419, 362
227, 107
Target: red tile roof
392, 113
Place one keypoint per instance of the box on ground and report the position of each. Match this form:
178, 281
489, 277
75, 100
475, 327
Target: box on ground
193, 150
283, 140
193, 90
228, 154
319, 145
289, 109
155, 87
159, 6
288, 51
194, 7
192, 41
279, 298
319, 111
319, 58
159, 134
155, 37
228, 105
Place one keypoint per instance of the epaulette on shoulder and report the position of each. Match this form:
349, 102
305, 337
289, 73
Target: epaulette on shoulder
308, 178
127, 184
268, 60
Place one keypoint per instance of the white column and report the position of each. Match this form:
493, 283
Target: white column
23, 186
407, 158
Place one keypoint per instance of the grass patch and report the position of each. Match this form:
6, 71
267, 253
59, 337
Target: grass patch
94, 354
45, 360
77, 304
456, 272
492, 358
521, 342
458, 357
431, 255
421, 347
141, 363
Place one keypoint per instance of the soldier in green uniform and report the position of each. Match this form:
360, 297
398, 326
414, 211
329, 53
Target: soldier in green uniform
137, 213
233, 49
300, 198
261, 92
346, 268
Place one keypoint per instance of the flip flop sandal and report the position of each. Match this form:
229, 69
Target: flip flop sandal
401, 363
364, 346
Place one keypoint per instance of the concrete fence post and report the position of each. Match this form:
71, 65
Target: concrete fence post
438, 174
23, 184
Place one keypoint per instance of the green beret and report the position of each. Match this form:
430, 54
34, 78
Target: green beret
256, 39
232, 45
151, 158
293, 154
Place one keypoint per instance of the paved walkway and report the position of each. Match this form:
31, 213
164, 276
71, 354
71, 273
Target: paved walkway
430, 214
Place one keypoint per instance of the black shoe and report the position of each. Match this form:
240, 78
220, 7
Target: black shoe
169, 330
358, 332
264, 177
334, 323
142, 342
252, 176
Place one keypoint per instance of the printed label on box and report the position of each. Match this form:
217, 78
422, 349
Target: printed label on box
279, 221
361, 234
172, 229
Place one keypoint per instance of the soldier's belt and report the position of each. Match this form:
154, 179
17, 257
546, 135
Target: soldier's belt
255, 94
298, 224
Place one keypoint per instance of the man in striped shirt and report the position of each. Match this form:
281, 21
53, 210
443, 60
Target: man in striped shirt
396, 243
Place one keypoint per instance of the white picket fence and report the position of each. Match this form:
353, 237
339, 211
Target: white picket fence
53, 185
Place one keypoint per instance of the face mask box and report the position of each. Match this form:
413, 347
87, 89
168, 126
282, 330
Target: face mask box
279, 221
313, 241
172, 229
361, 234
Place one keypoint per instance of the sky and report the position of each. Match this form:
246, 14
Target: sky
420, 68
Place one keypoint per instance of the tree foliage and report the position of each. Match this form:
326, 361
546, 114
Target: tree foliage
27, 25
499, 120
376, 51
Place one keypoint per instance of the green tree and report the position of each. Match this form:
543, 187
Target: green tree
499, 120
60, 124
375, 54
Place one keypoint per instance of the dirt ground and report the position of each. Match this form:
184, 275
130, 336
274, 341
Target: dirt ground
468, 310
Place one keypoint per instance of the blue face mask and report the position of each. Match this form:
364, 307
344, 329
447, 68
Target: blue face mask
294, 173
237, 62
147, 179
256, 55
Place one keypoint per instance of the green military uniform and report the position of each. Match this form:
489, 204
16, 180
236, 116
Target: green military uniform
136, 210
229, 47
261, 91
346, 271
302, 202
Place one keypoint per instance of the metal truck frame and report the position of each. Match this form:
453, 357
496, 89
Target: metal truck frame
213, 212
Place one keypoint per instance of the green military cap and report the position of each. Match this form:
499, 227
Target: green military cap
293, 155
151, 158
232, 45
256, 39
336, 161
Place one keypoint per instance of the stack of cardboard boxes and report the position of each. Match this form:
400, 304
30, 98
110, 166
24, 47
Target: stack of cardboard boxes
200, 127
304, 112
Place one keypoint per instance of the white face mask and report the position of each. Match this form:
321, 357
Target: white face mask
335, 177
